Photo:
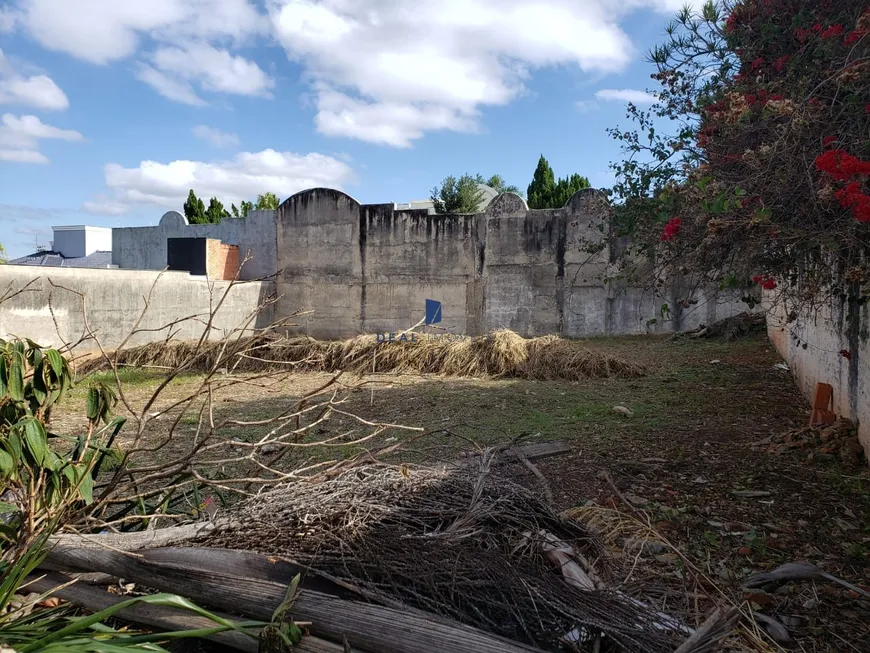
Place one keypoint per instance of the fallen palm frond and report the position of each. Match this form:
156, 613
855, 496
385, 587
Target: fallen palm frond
462, 543
499, 354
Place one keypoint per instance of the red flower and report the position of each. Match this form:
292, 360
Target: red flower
854, 36
802, 34
758, 63
845, 353
750, 98
768, 283
780, 63
851, 197
832, 31
827, 140
730, 22
841, 165
672, 228
818, 27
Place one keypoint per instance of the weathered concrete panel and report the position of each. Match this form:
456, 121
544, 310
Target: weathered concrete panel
50, 312
813, 347
370, 268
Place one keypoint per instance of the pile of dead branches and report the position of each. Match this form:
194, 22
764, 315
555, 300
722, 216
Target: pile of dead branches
460, 543
499, 354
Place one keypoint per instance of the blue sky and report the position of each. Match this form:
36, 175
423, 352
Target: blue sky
110, 110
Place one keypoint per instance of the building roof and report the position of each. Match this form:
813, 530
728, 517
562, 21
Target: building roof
100, 259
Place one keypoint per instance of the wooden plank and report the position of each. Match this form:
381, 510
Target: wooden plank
542, 449
220, 582
159, 617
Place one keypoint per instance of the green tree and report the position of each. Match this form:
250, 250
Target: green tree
2, 254
215, 212
542, 187
267, 201
460, 195
545, 192
565, 188
234, 210
758, 174
246, 207
498, 184
194, 209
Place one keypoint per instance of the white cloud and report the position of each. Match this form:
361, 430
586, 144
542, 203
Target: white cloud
625, 95
8, 19
101, 31
242, 178
388, 72
37, 91
213, 69
185, 56
585, 106
214, 136
20, 136
384, 71
168, 86
386, 123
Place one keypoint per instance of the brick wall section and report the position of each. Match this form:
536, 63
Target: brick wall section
222, 261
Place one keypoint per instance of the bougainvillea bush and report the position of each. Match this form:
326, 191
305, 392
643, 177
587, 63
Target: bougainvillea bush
765, 181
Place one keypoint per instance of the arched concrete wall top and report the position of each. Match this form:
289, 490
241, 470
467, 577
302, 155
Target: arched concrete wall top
173, 219
506, 203
304, 196
488, 194
587, 200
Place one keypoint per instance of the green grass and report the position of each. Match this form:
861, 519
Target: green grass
134, 376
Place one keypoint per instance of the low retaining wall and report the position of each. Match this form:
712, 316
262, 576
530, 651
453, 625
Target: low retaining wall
50, 310
830, 345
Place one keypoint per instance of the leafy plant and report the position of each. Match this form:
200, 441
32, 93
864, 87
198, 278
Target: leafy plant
40, 484
752, 168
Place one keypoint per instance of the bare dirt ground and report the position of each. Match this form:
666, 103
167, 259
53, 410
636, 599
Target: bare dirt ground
677, 460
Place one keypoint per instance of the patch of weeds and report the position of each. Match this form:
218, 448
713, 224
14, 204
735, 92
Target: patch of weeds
858, 551
755, 541
127, 375
711, 539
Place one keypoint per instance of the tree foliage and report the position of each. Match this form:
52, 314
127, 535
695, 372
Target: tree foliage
194, 209
460, 195
196, 212
499, 185
267, 201
546, 192
763, 178
40, 483
215, 211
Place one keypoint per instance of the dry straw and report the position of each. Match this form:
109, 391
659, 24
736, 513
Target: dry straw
499, 354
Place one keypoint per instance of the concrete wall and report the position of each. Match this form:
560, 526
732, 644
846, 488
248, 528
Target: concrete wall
50, 312
144, 248
370, 268
814, 344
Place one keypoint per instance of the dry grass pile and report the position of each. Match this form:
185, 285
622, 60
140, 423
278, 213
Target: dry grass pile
499, 354
463, 543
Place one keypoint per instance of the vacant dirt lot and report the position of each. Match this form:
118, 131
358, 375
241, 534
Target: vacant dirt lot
682, 459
